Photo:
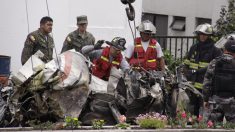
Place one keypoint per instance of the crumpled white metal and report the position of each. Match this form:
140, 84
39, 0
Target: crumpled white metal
220, 43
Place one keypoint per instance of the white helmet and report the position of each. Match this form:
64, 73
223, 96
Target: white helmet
147, 27
204, 29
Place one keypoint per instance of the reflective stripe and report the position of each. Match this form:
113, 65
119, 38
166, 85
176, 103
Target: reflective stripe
203, 64
153, 60
152, 46
186, 61
193, 66
138, 45
198, 85
115, 62
104, 58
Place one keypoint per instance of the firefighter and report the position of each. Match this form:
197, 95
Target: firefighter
104, 59
146, 53
219, 85
198, 58
105, 106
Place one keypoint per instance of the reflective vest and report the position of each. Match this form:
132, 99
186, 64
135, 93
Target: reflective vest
223, 81
140, 58
102, 65
198, 58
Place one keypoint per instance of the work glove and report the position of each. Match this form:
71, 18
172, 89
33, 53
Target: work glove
98, 44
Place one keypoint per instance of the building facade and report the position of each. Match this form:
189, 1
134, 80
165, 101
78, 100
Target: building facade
107, 19
180, 17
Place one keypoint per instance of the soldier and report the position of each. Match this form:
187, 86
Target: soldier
39, 40
219, 85
80, 37
104, 59
146, 52
198, 58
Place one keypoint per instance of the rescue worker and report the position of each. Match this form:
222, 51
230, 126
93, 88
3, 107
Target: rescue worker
146, 53
39, 40
80, 37
104, 59
198, 58
219, 85
104, 106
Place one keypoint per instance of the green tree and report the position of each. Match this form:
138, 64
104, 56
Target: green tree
226, 23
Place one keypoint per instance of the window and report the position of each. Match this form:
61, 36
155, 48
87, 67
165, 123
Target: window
147, 16
202, 21
178, 23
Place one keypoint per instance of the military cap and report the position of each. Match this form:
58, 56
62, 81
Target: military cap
82, 19
230, 45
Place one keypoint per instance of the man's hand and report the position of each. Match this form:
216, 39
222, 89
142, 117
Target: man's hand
122, 118
98, 44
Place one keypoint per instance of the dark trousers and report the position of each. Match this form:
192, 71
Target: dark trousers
222, 107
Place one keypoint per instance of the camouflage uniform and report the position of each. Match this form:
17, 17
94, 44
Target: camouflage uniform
37, 41
76, 41
221, 101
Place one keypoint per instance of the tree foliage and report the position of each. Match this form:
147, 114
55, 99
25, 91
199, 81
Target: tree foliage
226, 23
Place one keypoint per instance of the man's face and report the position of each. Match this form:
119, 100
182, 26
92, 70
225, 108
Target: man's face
47, 27
82, 27
114, 51
145, 36
203, 37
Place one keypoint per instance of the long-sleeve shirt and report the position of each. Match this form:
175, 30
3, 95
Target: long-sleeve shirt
94, 54
37, 41
209, 76
76, 40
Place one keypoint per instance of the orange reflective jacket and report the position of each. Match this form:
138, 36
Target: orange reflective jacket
103, 66
140, 58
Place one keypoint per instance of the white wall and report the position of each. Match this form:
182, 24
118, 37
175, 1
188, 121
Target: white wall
107, 19
186, 8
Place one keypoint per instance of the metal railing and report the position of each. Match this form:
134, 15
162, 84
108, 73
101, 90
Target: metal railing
177, 45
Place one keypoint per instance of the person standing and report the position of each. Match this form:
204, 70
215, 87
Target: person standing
219, 85
80, 37
198, 58
39, 40
146, 53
